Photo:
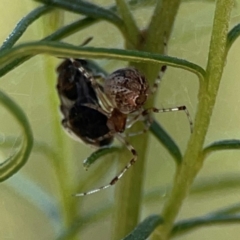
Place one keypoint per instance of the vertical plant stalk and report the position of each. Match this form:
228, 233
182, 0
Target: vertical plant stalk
163, 17
132, 30
129, 189
193, 160
61, 164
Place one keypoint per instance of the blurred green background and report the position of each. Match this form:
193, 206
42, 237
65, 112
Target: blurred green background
21, 218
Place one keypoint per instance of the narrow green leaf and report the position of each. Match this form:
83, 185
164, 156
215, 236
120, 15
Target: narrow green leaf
70, 29
67, 50
97, 154
145, 228
167, 141
216, 183
16, 161
232, 36
221, 145
59, 34
185, 226
234, 208
86, 8
23, 24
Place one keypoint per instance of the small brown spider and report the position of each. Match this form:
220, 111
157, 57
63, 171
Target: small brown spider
96, 114
121, 100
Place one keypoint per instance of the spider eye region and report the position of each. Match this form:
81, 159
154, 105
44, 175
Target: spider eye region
127, 89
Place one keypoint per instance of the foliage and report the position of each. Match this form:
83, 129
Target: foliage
144, 51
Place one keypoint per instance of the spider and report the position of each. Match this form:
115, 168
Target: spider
119, 103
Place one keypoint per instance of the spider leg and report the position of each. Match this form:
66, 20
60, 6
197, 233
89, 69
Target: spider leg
115, 179
97, 108
95, 85
135, 118
148, 119
147, 123
158, 79
174, 109
162, 71
107, 135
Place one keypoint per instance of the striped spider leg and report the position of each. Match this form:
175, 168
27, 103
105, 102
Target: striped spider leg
145, 116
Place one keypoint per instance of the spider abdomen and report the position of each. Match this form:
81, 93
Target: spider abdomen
127, 89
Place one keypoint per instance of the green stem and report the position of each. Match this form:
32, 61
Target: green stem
159, 30
192, 161
132, 30
61, 164
163, 20
129, 189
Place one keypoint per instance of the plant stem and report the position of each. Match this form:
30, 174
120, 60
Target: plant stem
162, 21
129, 189
50, 24
192, 161
131, 27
